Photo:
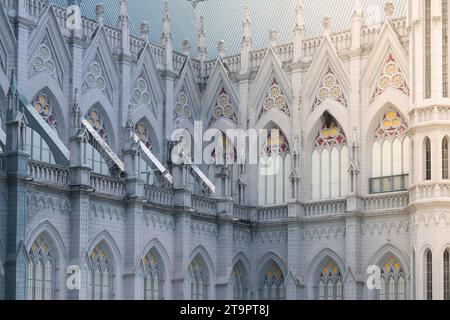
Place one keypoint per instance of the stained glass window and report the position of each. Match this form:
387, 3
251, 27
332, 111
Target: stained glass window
272, 285
101, 273
393, 280
330, 282
198, 281
274, 170
153, 285
427, 159
445, 174
390, 154
240, 283
40, 278
429, 275
93, 158
427, 49
330, 161
35, 144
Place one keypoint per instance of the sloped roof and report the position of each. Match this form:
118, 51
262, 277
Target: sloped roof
223, 18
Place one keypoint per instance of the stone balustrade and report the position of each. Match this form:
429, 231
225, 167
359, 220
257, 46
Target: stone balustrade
107, 185
159, 196
48, 173
324, 208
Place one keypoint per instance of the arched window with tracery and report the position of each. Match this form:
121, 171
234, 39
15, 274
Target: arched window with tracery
93, 158
330, 161
101, 274
37, 148
330, 285
199, 280
41, 269
390, 155
274, 169
427, 32
271, 286
240, 284
145, 170
154, 281
393, 280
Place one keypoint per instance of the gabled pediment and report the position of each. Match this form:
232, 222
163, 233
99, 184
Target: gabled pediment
187, 94
327, 77
146, 88
220, 92
99, 67
271, 89
387, 66
48, 52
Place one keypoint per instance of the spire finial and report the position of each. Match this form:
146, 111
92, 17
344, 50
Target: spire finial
300, 15
166, 20
389, 9
144, 30
221, 48
100, 13
327, 25
273, 38
186, 47
357, 8
123, 8
201, 39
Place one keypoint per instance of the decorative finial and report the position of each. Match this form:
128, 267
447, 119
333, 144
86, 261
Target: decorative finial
201, 39
144, 30
273, 38
299, 15
222, 48
123, 8
186, 47
357, 8
327, 25
76, 112
100, 13
389, 9
166, 20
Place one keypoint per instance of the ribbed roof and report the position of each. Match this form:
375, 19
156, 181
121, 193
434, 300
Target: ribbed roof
223, 18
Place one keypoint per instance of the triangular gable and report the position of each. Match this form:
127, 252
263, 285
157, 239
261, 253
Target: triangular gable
271, 88
99, 67
187, 94
220, 87
48, 51
380, 72
7, 42
146, 89
326, 77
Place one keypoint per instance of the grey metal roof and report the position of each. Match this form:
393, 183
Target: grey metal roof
223, 18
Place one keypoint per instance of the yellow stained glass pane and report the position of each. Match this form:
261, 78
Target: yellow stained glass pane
391, 115
387, 124
42, 99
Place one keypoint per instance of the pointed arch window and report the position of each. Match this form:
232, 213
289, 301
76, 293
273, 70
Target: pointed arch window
240, 286
154, 281
93, 158
145, 170
275, 168
272, 285
429, 275
445, 175
427, 159
41, 268
393, 280
390, 155
101, 274
330, 282
199, 281
447, 275
330, 161
35, 144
